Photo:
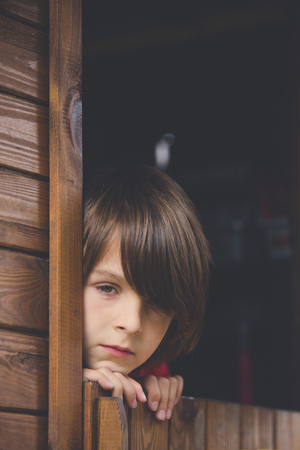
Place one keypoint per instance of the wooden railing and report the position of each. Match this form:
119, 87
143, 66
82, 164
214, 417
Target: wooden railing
196, 424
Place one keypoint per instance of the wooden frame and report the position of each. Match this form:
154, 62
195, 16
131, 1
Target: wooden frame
65, 297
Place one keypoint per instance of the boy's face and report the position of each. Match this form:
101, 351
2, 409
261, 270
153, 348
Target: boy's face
119, 332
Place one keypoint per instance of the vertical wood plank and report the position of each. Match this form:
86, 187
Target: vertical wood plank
112, 424
65, 290
223, 426
91, 392
146, 432
257, 428
187, 429
287, 433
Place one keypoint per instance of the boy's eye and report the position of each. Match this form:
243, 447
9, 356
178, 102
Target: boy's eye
107, 289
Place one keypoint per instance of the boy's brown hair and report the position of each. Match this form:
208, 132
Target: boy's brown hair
164, 253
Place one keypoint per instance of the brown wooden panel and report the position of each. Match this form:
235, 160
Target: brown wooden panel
24, 370
24, 200
257, 428
23, 237
22, 431
23, 291
33, 11
91, 392
24, 59
112, 425
24, 135
65, 300
145, 431
223, 426
287, 430
187, 430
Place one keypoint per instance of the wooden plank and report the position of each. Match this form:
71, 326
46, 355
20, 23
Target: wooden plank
23, 237
145, 431
223, 426
112, 425
91, 392
287, 430
22, 431
257, 428
33, 11
24, 60
188, 425
24, 135
24, 200
65, 382
23, 291
24, 370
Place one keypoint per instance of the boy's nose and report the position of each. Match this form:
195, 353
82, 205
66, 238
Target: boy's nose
130, 317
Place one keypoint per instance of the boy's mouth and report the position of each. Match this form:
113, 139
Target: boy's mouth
117, 351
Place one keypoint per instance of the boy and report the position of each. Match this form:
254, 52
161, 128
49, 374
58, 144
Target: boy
146, 266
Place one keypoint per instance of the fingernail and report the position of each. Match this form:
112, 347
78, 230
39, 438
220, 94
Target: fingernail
134, 404
109, 385
168, 413
154, 406
144, 398
161, 415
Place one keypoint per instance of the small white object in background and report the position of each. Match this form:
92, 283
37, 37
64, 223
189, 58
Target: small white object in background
162, 151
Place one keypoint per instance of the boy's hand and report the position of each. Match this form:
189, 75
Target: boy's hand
118, 383
163, 394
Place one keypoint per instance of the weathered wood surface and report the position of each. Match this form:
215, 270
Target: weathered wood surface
24, 60
23, 237
144, 431
257, 428
24, 135
65, 380
22, 431
112, 430
223, 426
188, 425
33, 11
24, 200
24, 367
287, 430
23, 291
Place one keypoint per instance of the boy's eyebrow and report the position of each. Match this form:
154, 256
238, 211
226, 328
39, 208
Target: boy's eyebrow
106, 273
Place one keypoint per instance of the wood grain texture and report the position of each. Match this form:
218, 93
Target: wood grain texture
287, 430
23, 237
223, 420
24, 200
65, 376
188, 425
91, 392
257, 428
145, 432
25, 371
24, 67
112, 424
23, 291
22, 431
33, 11
24, 135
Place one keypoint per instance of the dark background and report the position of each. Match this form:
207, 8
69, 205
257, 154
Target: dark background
220, 76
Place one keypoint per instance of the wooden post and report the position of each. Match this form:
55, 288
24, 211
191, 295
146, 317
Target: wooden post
65, 302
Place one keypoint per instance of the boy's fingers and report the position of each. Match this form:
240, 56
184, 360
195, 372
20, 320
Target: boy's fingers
180, 384
164, 385
128, 390
172, 395
99, 377
154, 395
140, 395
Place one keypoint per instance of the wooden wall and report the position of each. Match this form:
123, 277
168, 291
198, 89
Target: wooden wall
24, 211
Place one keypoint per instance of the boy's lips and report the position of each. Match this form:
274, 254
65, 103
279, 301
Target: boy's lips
117, 350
